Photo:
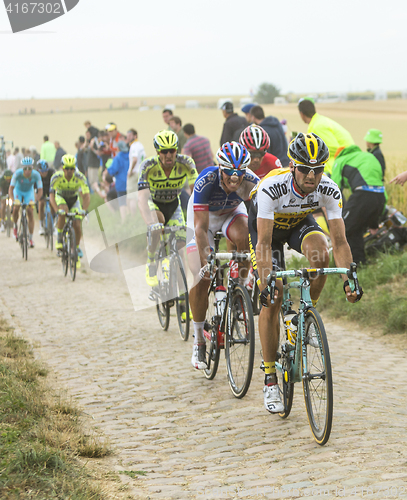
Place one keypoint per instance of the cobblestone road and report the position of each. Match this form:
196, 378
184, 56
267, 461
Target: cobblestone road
190, 436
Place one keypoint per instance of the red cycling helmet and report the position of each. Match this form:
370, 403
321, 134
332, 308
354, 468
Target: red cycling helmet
255, 137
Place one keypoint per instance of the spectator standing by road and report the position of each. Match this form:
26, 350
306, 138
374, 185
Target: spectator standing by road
119, 169
360, 172
198, 148
34, 154
59, 153
233, 123
114, 137
136, 157
373, 140
246, 110
333, 134
48, 152
17, 159
81, 156
278, 142
10, 158
176, 126
167, 114
90, 128
92, 159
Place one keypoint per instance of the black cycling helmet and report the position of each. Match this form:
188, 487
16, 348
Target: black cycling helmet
309, 150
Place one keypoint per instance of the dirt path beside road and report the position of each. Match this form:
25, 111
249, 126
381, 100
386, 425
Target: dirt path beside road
190, 436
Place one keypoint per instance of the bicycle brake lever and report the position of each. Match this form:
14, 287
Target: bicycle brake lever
352, 275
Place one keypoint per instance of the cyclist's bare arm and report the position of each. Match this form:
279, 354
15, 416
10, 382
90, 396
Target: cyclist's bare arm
201, 222
146, 213
52, 201
38, 195
11, 193
85, 201
341, 250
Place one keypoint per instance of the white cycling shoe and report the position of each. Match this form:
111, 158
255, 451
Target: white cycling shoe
198, 357
313, 338
272, 399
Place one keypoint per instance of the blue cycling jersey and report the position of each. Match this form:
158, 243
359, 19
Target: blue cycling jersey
210, 195
26, 184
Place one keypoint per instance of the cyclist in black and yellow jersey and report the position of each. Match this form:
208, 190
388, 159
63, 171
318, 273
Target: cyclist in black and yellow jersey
282, 204
161, 180
64, 197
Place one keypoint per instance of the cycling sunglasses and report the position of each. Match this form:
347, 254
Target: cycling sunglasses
166, 151
257, 154
233, 171
27, 167
69, 168
306, 170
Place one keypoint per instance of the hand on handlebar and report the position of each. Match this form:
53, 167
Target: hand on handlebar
353, 293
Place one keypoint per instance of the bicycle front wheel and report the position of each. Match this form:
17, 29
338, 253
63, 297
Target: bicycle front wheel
211, 333
65, 255
179, 288
24, 238
72, 254
8, 220
239, 342
50, 229
317, 377
162, 304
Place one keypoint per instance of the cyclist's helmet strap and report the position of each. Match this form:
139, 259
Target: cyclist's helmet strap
308, 149
233, 155
165, 139
27, 160
255, 137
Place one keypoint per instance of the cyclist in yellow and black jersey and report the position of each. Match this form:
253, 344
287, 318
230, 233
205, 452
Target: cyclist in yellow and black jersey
64, 197
161, 180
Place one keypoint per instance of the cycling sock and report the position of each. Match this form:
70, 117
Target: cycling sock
269, 367
59, 235
198, 329
30, 236
315, 302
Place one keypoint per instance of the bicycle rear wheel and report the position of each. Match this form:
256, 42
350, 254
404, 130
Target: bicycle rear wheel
179, 289
211, 332
24, 238
239, 342
162, 304
65, 255
285, 385
317, 377
50, 229
72, 254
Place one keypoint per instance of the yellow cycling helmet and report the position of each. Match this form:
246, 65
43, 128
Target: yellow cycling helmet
68, 161
166, 139
308, 149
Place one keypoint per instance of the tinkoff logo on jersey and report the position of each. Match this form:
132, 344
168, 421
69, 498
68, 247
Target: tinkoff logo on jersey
24, 15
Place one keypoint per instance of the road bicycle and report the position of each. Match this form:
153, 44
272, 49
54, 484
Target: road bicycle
172, 286
22, 237
229, 323
48, 225
304, 353
68, 252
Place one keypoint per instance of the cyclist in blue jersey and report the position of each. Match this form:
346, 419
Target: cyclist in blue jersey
22, 190
217, 203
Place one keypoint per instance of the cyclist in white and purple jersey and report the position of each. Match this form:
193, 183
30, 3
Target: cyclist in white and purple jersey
217, 203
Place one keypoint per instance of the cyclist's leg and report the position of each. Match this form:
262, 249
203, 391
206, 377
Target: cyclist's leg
62, 205
16, 208
309, 239
41, 209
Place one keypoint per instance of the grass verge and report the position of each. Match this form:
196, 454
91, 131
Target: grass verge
384, 281
41, 435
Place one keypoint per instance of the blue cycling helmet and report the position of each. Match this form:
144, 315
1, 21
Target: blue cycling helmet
27, 161
42, 165
233, 155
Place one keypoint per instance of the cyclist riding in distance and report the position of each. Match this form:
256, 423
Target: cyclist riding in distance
46, 174
257, 142
217, 203
22, 186
64, 198
280, 213
5, 180
161, 180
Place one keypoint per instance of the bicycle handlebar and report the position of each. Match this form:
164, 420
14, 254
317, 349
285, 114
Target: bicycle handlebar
306, 273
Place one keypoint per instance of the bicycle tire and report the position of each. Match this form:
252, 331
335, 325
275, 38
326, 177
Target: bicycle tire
317, 379
239, 342
72, 254
25, 238
51, 231
211, 331
162, 304
46, 229
181, 297
8, 220
285, 385
64, 257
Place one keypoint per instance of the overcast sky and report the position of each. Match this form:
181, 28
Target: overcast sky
185, 47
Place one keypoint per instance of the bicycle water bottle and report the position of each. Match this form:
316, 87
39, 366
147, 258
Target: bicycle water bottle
291, 327
220, 295
165, 264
